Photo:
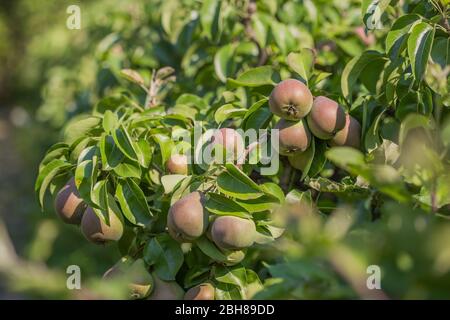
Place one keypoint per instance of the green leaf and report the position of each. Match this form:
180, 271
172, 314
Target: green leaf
124, 142
128, 169
133, 202
239, 174
165, 144
165, 255
145, 152
258, 116
46, 174
441, 190
445, 132
282, 36
353, 70
88, 154
256, 77
302, 63
420, 43
225, 291
110, 103
170, 181
298, 197
110, 153
263, 203
255, 107
85, 177
350, 46
210, 18
209, 248
317, 77
223, 62
387, 180
78, 146
319, 160
99, 194
414, 121
228, 111
441, 51
132, 76
261, 30
309, 153
397, 36
273, 190
372, 137
236, 188
79, 127
192, 100
110, 121
372, 11
222, 205
346, 157
181, 190
57, 151
232, 275
407, 105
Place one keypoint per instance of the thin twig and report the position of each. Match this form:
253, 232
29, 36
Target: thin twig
446, 24
153, 88
434, 207
263, 56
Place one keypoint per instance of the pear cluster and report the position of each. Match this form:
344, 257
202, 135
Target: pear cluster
72, 209
303, 116
188, 220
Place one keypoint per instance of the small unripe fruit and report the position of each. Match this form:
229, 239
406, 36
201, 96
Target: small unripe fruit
294, 137
233, 233
187, 219
291, 100
97, 231
177, 164
69, 205
299, 161
166, 290
350, 136
326, 118
232, 143
204, 291
234, 257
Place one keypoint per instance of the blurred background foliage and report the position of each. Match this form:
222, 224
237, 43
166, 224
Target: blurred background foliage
49, 74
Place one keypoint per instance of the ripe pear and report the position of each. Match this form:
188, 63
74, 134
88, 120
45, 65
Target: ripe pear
68, 204
233, 233
97, 230
166, 290
187, 219
177, 164
291, 100
326, 118
204, 291
231, 142
294, 137
350, 135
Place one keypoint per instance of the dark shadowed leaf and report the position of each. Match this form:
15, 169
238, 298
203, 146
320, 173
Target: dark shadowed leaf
165, 255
